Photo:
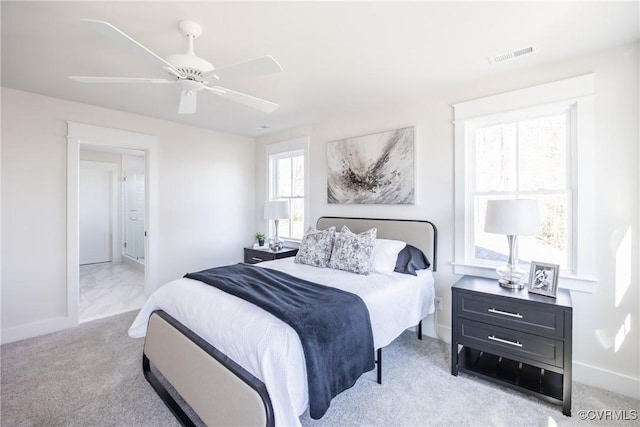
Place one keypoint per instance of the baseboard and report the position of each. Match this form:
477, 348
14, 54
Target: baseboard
444, 333
605, 379
30, 330
133, 263
432, 329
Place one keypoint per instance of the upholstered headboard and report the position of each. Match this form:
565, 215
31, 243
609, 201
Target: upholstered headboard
420, 233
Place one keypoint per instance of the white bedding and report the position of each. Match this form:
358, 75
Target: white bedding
271, 349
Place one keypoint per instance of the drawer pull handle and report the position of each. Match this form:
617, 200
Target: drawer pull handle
256, 259
494, 338
505, 313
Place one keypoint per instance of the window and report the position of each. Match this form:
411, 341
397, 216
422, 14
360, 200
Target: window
288, 181
524, 156
534, 143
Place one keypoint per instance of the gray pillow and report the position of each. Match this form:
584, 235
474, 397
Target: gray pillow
410, 259
315, 247
353, 252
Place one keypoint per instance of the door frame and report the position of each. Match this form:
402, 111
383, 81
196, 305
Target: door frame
113, 202
80, 134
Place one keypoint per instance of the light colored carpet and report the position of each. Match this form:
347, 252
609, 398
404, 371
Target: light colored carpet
92, 376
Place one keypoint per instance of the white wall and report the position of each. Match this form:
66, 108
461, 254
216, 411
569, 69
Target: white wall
597, 316
205, 190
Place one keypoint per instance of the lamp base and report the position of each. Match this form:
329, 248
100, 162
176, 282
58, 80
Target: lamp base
509, 284
276, 245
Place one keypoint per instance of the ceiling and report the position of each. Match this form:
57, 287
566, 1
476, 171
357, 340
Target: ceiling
339, 58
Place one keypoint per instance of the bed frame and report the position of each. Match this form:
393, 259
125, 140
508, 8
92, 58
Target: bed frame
216, 388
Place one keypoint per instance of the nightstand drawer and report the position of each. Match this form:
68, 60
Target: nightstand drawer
512, 313
516, 344
254, 257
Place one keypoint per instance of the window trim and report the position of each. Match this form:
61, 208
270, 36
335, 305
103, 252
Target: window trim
296, 145
577, 90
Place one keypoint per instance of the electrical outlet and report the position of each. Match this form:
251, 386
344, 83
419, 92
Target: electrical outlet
438, 303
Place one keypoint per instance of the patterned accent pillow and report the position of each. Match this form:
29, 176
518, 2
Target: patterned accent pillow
353, 252
315, 247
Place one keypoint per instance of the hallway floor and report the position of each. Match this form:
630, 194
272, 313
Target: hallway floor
107, 289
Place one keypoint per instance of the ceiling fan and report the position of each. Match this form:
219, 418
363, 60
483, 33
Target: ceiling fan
192, 73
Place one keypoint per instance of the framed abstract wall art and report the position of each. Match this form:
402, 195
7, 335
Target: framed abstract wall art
372, 169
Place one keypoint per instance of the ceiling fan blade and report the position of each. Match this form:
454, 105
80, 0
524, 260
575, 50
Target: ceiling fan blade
243, 98
112, 32
89, 79
254, 67
188, 102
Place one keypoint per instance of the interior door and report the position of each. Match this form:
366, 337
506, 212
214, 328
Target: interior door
95, 214
134, 199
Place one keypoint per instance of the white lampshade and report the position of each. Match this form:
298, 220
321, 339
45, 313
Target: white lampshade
276, 209
513, 217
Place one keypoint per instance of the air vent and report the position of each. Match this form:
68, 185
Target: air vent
514, 54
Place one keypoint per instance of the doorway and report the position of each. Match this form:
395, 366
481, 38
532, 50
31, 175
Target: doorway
111, 280
107, 144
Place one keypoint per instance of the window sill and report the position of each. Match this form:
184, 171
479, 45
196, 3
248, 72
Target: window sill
586, 284
291, 243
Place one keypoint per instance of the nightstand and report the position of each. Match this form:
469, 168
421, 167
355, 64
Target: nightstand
513, 338
256, 255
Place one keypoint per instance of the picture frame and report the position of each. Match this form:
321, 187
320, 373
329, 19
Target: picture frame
543, 279
377, 168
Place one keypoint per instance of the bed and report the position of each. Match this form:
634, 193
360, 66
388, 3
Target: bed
235, 364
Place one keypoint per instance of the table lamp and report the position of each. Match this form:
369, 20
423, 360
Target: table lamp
276, 210
519, 217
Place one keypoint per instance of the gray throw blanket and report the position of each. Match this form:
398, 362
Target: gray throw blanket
333, 325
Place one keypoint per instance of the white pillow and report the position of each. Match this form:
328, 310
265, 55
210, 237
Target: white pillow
385, 255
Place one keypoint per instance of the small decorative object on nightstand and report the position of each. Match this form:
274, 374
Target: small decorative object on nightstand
260, 237
256, 255
513, 338
543, 278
